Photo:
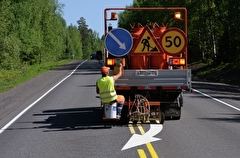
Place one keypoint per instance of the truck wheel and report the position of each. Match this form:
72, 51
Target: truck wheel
179, 116
161, 117
181, 100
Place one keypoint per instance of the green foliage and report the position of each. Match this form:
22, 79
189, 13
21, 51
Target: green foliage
33, 32
11, 46
90, 39
11, 78
222, 72
84, 31
74, 43
213, 26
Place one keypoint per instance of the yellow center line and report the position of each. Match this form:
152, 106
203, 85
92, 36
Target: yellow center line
141, 152
131, 129
149, 145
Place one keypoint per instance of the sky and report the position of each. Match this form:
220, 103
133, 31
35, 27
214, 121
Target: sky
91, 10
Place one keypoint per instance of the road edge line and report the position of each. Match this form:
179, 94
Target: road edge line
206, 95
36, 101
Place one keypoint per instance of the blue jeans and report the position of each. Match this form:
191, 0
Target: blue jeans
119, 108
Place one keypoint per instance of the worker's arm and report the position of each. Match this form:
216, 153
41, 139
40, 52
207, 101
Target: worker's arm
117, 76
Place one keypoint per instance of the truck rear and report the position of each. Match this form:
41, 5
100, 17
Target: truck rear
154, 57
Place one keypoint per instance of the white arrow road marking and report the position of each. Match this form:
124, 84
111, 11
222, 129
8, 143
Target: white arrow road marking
121, 45
138, 139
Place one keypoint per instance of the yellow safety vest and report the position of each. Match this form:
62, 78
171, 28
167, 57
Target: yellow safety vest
106, 89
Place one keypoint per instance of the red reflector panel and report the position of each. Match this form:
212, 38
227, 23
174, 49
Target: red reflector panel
176, 61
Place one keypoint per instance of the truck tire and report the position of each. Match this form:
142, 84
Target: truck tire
181, 100
161, 117
178, 117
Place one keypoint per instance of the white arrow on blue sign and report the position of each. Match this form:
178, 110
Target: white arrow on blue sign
118, 42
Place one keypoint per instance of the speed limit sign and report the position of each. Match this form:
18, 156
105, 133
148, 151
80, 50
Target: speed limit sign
173, 41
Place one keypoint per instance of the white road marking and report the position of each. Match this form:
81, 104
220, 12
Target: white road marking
231, 106
35, 102
138, 139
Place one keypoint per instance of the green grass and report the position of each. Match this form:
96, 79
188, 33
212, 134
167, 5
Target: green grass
223, 72
11, 78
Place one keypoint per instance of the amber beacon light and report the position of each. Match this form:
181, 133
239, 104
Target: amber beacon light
177, 16
113, 16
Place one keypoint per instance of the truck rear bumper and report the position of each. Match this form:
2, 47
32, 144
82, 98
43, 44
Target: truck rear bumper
166, 79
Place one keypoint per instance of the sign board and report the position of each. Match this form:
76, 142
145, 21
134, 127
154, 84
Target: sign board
118, 42
146, 42
173, 41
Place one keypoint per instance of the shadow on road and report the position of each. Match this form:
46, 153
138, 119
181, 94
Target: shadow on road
234, 118
215, 86
73, 119
218, 90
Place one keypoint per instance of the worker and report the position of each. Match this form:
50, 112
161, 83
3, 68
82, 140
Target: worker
105, 88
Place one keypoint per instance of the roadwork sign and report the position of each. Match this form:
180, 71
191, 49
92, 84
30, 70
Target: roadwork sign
146, 43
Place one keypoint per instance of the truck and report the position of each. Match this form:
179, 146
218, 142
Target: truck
154, 57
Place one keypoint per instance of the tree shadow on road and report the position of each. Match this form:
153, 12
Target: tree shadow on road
218, 90
73, 119
231, 118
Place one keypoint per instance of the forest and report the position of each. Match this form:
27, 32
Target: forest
213, 26
32, 32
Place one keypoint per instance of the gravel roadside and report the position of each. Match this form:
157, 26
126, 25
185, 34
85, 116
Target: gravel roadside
15, 100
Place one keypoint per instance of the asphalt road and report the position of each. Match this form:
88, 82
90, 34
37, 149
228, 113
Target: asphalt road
67, 122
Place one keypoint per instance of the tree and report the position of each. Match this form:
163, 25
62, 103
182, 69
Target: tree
85, 34
213, 33
9, 44
96, 42
74, 45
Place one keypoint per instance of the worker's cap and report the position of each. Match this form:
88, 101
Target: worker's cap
105, 69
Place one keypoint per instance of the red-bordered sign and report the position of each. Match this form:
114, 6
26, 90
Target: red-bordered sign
146, 43
173, 41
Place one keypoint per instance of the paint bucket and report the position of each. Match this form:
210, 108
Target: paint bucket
110, 110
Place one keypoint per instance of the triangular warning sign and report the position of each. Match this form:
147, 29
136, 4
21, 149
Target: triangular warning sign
147, 43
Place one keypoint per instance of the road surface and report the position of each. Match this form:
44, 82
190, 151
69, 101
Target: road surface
63, 119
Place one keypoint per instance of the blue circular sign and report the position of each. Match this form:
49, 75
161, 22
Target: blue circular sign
118, 42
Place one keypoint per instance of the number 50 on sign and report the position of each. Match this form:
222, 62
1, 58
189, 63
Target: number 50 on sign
173, 41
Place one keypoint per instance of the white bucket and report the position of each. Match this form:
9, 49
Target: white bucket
110, 110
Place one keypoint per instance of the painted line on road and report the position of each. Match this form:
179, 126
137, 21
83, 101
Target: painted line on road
130, 126
149, 145
35, 102
229, 105
141, 153
150, 148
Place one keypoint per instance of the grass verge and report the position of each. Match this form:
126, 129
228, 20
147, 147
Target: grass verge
12, 78
223, 72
